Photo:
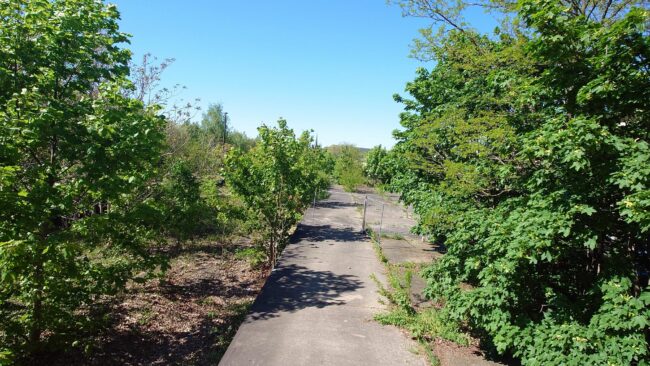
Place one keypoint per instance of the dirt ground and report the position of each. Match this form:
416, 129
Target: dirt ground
451, 354
188, 318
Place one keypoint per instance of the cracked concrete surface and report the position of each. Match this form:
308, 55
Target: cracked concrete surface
317, 306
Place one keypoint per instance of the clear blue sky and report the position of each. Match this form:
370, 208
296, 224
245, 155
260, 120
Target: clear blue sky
327, 65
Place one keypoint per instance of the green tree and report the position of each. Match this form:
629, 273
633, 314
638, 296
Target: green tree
74, 152
276, 180
216, 130
379, 165
450, 17
184, 210
527, 155
348, 168
194, 157
213, 125
240, 141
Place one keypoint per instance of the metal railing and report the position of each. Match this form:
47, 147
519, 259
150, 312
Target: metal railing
385, 217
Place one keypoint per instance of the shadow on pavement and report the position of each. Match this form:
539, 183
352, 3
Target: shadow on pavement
319, 233
335, 204
292, 287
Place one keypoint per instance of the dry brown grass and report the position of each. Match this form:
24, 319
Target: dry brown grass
188, 318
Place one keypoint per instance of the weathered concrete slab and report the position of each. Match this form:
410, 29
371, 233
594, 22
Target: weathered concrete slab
317, 307
409, 251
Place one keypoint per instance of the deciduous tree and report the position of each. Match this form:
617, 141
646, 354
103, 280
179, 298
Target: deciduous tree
527, 156
73, 153
277, 180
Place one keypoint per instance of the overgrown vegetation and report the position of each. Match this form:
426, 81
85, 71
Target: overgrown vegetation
348, 166
255, 256
277, 180
426, 324
379, 166
75, 153
526, 153
103, 180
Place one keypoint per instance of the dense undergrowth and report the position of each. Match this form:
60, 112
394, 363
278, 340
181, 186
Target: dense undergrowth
526, 153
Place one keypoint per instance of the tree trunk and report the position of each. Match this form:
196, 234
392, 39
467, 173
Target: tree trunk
36, 328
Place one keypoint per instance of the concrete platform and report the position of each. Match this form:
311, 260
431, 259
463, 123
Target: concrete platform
411, 251
317, 306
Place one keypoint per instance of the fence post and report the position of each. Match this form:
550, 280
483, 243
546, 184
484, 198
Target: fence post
313, 209
363, 222
381, 222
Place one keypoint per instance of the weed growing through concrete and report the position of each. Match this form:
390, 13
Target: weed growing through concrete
424, 325
394, 236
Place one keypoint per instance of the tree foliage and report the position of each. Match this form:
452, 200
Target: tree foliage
277, 180
74, 152
380, 165
450, 17
526, 153
348, 166
189, 198
217, 130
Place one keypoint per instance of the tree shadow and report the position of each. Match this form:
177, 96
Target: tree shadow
201, 345
124, 343
335, 204
292, 287
438, 248
202, 288
319, 233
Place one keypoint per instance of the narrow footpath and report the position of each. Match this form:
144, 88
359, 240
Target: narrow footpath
317, 306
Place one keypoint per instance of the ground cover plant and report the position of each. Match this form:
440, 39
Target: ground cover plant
428, 324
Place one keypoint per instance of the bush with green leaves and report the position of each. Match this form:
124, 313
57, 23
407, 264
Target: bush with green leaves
74, 153
188, 197
348, 168
375, 168
527, 155
184, 213
256, 256
277, 180
381, 166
